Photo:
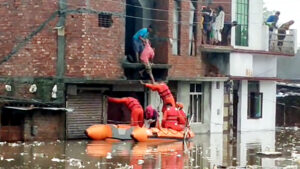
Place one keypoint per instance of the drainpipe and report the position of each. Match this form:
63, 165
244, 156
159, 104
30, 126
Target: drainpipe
61, 40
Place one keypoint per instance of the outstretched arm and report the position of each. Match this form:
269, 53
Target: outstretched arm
117, 100
153, 87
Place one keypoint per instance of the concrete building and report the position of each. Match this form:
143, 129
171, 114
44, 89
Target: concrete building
252, 67
59, 60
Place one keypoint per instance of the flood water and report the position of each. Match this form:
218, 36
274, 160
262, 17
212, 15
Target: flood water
204, 151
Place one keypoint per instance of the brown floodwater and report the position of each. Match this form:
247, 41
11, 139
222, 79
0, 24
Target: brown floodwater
204, 151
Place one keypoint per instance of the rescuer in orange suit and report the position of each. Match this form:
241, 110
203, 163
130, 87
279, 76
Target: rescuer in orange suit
172, 118
137, 112
164, 93
183, 118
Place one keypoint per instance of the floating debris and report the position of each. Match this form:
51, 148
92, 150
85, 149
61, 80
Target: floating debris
269, 153
108, 156
10, 159
140, 162
57, 160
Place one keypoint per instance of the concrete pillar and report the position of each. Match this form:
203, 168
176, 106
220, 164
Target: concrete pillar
217, 107
183, 94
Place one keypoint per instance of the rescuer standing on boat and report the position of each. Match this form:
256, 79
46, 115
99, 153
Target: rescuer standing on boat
137, 112
164, 93
183, 118
172, 118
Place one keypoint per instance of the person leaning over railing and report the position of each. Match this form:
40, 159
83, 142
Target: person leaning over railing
282, 32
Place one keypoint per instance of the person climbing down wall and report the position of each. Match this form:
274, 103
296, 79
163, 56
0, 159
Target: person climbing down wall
137, 112
147, 59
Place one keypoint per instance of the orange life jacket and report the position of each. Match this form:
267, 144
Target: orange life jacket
133, 103
172, 117
164, 91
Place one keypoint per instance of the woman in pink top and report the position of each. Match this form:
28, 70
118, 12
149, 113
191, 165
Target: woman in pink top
147, 57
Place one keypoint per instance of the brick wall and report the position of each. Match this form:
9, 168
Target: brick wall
94, 51
37, 54
45, 125
184, 65
226, 4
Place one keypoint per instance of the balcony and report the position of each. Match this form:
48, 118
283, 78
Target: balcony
283, 43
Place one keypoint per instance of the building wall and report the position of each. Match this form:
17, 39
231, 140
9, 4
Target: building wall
267, 122
44, 125
256, 26
264, 66
184, 65
241, 64
28, 40
90, 49
217, 107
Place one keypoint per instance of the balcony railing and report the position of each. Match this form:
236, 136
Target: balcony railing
283, 43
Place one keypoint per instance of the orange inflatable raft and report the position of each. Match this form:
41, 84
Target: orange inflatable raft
140, 134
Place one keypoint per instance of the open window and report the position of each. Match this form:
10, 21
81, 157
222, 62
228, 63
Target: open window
255, 99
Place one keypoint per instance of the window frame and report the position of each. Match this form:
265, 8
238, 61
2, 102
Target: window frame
198, 117
254, 92
105, 20
242, 17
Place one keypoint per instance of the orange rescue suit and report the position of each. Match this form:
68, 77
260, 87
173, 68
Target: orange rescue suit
172, 118
137, 112
164, 92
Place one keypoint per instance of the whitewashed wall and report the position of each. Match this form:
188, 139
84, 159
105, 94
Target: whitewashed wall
241, 64
264, 66
257, 34
217, 108
267, 122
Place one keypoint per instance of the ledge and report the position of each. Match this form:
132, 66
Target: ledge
129, 65
200, 79
216, 49
253, 78
261, 52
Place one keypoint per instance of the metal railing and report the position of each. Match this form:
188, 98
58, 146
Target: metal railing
282, 43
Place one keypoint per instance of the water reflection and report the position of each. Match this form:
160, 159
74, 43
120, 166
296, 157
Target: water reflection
205, 151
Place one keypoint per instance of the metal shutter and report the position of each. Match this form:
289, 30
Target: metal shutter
88, 110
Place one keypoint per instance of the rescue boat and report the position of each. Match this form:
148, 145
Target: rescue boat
139, 134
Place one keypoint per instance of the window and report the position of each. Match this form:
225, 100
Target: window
254, 100
176, 28
196, 102
105, 20
241, 30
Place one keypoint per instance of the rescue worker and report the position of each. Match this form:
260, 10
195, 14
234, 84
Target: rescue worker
137, 112
151, 116
171, 119
164, 93
183, 119
147, 57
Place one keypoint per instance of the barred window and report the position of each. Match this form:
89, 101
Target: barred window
196, 102
105, 20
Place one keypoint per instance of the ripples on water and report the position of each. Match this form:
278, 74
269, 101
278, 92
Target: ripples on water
204, 151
